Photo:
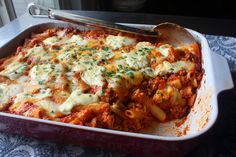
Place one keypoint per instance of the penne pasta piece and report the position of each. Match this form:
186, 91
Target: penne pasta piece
134, 114
194, 83
156, 111
187, 92
176, 83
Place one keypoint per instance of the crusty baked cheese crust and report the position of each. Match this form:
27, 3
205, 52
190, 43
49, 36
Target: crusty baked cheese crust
99, 79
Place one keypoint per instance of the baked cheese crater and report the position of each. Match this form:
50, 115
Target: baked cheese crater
95, 78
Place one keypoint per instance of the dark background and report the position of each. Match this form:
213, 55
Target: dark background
197, 8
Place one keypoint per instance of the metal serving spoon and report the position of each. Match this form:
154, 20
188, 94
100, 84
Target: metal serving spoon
168, 32
40, 11
174, 34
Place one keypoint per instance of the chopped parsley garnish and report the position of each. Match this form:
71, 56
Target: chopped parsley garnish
26, 94
120, 66
110, 74
103, 92
142, 53
87, 62
146, 49
123, 69
38, 58
119, 58
40, 82
67, 69
46, 54
85, 48
117, 76
131, 74
105, 48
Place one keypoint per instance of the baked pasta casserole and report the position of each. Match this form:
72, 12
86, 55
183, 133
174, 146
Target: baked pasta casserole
100, 79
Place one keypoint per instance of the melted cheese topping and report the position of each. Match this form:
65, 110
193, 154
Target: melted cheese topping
43, 93
78, 40
14, 70
164, 50
38, 54
77, 98
167, 67
8, 91
51, 40
41, 74
50, 107
22, 79
94, 76
117, 42
137, 59
125, 79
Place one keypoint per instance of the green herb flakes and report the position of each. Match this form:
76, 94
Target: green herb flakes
105, 48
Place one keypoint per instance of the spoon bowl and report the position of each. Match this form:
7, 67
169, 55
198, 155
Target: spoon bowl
174, 35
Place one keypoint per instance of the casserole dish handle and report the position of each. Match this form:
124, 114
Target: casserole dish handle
222, 74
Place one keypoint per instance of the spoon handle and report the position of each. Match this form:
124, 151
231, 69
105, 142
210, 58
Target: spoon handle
39, 11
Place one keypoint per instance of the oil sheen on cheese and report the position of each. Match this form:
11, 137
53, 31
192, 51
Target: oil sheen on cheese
77, 98
117, 42
14, 70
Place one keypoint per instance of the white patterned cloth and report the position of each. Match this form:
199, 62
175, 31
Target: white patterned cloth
20, 146
225, 46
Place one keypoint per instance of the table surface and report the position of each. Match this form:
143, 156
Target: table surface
221, 139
